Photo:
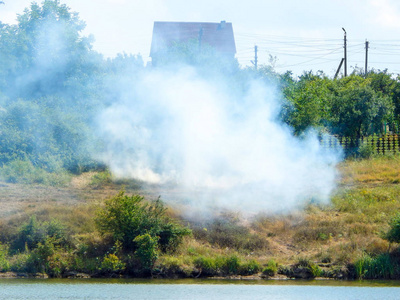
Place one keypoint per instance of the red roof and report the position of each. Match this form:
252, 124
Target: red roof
217, 35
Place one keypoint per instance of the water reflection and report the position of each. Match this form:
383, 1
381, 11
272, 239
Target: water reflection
196, 289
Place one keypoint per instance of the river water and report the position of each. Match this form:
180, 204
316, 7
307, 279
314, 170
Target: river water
197, 289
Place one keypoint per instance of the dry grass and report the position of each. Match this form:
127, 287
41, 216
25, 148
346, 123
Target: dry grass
378, 170
367, 198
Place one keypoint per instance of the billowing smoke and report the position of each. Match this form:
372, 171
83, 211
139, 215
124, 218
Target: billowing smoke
208, 142
221, 145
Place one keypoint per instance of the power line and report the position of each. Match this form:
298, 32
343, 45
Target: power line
300, 51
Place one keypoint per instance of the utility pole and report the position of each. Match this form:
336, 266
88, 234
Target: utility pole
338, 69
345, 53
366, 57
255, 61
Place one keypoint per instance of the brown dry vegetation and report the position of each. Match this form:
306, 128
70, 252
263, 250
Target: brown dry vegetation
368, 196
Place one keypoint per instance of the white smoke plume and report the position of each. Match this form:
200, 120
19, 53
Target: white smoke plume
225, 150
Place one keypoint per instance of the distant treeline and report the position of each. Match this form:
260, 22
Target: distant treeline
53, 84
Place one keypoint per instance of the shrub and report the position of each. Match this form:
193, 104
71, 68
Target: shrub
146, 250
249, 268
18, 262
58, 263
111, 263
30, 235
85, 264
92, 245
207, 265
38, 258
172, 266
34, 232
313, 268
316, 271
171, 235
4, 263
225, 265
126, 217
366, 150
271, 269
231, 265
393, 235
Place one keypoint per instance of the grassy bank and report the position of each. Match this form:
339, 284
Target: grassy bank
56, 230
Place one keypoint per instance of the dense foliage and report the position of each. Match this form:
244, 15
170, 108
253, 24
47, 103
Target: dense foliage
53, 84
128, 217
393, 235
351, 106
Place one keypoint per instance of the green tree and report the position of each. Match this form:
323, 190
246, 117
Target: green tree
44, 49
388, 84
309, 99
50, 88
34, 232
357, 109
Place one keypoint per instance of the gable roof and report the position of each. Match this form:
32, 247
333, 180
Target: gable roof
217, 35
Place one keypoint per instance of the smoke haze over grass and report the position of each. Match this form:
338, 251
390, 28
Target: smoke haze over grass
223, 143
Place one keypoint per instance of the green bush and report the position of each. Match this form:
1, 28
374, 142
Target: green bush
206, 265
271, 269
18, 262
314, 269
86, 264
231, 265
172, 266
365, 150
249, 268
393, 235
34, 232
38, 257
126, 217
46, 257
146, 250
225, 265
4, 263
29, 236
58, 263
171, 235
111, 263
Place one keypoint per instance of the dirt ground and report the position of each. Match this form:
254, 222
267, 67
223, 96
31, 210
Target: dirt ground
16, 198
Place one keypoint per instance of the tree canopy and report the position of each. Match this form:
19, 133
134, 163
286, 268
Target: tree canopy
53, 84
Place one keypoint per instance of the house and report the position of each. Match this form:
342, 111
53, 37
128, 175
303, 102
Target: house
216, 35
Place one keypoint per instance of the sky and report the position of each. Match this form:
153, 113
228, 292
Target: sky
291, 35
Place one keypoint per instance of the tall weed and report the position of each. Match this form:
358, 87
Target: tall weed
379, 267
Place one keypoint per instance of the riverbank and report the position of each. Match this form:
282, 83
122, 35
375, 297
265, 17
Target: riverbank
344, 239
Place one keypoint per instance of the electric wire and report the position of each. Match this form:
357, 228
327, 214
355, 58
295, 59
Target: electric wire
301, 51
